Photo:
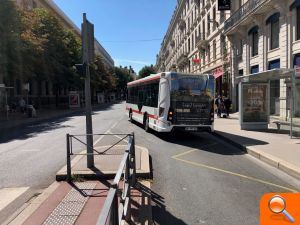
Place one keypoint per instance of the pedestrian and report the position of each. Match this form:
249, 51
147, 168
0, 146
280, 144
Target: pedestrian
22, 105
219, 103
227, 104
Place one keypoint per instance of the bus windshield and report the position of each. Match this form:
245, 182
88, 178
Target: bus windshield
192, 85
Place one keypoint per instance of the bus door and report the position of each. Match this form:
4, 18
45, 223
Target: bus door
164, 97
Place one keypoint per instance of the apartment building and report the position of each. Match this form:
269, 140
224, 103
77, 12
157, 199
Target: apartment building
194, 42
265, 35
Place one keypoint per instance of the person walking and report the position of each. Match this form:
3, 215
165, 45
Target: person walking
219, 103
227, 104
22, 105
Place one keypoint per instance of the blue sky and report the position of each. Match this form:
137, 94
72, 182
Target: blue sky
118, 23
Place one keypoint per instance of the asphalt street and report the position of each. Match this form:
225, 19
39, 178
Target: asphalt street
197, 179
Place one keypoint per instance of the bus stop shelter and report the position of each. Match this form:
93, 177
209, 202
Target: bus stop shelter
255, 98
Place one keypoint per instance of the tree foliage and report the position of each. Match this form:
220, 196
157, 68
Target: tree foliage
35, 46
147, 71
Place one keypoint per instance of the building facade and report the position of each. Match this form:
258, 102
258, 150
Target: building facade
194, 42
265, 35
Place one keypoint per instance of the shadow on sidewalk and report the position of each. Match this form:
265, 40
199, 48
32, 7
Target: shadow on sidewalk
238, 140
25, 131
159, 213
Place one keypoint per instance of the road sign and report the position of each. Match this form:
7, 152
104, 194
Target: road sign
88, 41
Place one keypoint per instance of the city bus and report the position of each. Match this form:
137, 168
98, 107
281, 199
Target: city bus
171, 101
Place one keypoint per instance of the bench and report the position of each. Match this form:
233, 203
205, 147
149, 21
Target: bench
278, 124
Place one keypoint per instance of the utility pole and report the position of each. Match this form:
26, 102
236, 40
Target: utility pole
88, 57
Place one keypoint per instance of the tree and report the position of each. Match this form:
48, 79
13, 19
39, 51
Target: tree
147, 71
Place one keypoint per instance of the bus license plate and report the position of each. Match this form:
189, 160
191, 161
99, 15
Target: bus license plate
191, 128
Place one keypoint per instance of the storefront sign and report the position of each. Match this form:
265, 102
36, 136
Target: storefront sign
255, 103
218, 72
74, 100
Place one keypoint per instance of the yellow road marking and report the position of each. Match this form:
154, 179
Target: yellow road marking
228, 172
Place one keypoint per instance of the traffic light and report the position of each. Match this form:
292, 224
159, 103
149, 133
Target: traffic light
81, 69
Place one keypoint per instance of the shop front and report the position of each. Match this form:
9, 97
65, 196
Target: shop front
221, 81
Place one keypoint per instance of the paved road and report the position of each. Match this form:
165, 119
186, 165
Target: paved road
196, 179
203, 180
31, 156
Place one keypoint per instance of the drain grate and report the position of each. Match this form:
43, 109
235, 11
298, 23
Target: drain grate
71, 206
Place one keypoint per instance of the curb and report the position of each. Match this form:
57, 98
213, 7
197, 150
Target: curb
273, 161
143, 172
31, 206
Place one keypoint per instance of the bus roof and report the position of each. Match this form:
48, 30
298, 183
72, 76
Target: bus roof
158, 76
145, 79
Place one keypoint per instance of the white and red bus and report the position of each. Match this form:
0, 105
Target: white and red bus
168, 101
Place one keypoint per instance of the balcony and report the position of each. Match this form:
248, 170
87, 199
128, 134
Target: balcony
207, 5
182, 60
201, 41
202, 12
197, 2
249, 7
181, 24
172, 43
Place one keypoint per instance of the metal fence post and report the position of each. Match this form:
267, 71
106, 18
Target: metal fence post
114, 214
68, 158
132, 159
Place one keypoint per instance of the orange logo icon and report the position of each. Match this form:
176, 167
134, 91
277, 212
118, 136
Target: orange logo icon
280, 209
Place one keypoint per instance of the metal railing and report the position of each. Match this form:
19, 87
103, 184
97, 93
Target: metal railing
117, 205
241, 13
114, 210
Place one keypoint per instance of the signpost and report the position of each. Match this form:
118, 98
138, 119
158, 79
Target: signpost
88, 57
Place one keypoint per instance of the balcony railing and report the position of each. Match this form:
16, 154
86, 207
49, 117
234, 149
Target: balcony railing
201, 40
182, 59
181, 24
241, 13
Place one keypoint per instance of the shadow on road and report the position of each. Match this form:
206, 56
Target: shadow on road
159, 213
27, 131
206, 141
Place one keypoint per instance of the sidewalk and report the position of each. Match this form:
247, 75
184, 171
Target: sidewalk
81, 201
276, 149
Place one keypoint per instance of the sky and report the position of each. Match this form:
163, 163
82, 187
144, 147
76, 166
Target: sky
122, 25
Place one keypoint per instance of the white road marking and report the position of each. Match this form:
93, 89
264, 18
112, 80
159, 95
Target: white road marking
7, 195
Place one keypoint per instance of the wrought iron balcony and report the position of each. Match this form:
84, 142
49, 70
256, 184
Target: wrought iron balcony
182, 59
241, 13
201, 41
181, 24
172, 43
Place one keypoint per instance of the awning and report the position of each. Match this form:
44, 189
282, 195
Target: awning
295, 4
267, 75
218, 72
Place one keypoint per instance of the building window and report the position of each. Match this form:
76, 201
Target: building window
203, 29
254, 40
254, 69
275, 29
214, 49
222, 44
298, 23
214, 18
208, 53
275, 64
222, 16
241, 72
208, 24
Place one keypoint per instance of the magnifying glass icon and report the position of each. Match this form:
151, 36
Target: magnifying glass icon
277, 205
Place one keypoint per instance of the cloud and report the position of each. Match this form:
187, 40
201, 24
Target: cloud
132, 61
